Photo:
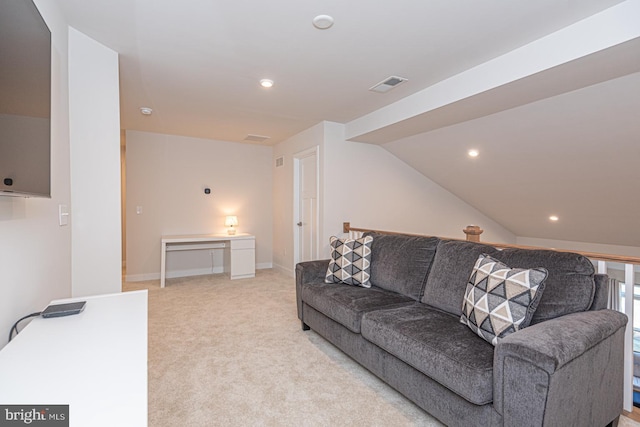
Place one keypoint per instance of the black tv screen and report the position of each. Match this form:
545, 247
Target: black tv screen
25, 100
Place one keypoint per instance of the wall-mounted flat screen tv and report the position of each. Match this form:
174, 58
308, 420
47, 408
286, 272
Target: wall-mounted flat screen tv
25, 100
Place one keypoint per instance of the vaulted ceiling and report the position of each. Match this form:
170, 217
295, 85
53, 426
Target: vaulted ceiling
548, 91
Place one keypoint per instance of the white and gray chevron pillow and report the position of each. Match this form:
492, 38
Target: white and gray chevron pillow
500, 300
350, 261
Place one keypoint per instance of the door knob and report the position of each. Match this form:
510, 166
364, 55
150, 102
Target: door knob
299, 224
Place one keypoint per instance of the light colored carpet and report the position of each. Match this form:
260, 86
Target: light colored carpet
231, 353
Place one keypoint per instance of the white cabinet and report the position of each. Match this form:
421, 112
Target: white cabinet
241, 257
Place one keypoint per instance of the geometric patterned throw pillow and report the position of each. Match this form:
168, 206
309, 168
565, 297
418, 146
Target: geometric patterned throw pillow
500, 300
350, 261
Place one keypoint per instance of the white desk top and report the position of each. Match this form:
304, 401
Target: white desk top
186, 238
96, 362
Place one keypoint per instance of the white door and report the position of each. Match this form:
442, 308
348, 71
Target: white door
306, 206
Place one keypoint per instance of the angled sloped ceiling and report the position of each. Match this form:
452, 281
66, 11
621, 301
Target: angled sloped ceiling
555, 122
576, 156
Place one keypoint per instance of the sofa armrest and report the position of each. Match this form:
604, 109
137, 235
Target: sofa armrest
564, 371
309, 272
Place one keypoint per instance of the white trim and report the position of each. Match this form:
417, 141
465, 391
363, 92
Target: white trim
194, 272
264, 266
186, 273
141, 277
284, 270
627, 402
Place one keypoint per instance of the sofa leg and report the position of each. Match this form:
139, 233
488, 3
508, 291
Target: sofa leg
306, 327
614, 423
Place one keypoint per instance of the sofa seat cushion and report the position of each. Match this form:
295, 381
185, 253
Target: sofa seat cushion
436, 344
346, 304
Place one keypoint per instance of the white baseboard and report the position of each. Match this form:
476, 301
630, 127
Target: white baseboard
186, 273
173, 274
141, 277
193, 272
284, 270
264, 265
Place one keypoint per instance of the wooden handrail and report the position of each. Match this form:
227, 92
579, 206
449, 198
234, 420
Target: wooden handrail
346, 228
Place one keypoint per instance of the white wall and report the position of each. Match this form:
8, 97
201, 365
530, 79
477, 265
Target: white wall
95, 166
166, 177
35, 252
371, 188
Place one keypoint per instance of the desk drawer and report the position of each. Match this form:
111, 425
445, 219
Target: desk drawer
243, 244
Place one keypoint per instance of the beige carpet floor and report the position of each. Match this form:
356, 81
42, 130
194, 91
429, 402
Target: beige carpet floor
231, 353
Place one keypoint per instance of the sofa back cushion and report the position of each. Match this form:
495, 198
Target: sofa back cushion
401, 263
570, 285
452, 266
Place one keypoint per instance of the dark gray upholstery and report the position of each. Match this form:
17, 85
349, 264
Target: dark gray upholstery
439, 401
569, 287
563, 371
601, 296
346, 304
401, 263
436, 344
585, 350
450, 273
309, 272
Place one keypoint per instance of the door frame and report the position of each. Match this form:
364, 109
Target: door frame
297, 157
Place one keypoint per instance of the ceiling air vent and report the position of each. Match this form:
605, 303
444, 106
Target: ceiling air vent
256, 138
387, 84
280, 162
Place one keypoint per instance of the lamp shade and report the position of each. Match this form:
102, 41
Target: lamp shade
231, 221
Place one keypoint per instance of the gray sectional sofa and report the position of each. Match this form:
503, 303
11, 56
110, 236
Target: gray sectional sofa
565, 369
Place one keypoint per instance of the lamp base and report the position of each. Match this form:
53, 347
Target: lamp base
231, 231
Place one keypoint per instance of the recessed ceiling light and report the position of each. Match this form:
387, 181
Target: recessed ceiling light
553, 218
473, 153
266, 83
323, 22
146, 111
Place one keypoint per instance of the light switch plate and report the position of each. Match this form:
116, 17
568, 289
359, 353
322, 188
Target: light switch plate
63, 215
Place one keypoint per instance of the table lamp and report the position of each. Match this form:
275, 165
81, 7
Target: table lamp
230, 222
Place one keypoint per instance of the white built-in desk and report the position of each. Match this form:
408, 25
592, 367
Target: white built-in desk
95, 362
242, 251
